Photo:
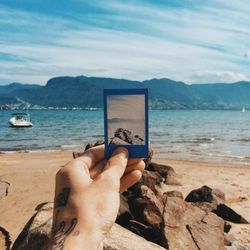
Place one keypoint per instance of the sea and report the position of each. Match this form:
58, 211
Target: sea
217, 136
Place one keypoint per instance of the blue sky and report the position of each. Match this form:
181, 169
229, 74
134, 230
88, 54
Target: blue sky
193, 41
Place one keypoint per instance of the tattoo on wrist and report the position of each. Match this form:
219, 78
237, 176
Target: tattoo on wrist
62, 198
61, 230
60, 233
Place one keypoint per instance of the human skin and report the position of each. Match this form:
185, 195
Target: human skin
87, 197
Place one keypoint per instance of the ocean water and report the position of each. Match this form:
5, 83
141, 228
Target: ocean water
194, 135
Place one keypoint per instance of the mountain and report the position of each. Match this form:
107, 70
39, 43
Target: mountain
86, 92
9, 93
6, 89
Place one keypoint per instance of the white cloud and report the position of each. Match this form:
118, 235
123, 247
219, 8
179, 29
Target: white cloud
146, 41
218, 77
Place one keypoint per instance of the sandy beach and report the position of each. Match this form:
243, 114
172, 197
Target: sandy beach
31, 177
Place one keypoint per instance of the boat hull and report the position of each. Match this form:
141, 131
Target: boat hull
20, 126
14, 123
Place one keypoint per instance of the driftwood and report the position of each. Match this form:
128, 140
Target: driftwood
4, 188
5, 241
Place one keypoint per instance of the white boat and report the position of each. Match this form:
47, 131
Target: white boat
243, 110
20, 120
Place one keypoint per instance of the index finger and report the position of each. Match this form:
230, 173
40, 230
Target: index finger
91, 156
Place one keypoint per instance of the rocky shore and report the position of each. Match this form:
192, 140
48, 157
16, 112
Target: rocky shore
165, 210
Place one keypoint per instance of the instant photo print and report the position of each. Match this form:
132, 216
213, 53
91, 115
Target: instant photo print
126, 121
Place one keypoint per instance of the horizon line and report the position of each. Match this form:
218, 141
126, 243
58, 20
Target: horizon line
120, 78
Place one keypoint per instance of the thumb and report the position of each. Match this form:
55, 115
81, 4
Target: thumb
116, 165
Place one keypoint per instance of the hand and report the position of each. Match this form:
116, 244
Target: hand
87, 197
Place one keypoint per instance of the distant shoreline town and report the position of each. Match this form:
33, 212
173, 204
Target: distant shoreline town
36, 107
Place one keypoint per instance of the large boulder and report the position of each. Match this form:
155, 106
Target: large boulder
120, 238
185, 226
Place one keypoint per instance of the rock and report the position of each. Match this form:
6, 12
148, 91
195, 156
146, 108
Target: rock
167, 172
206, 206
97, 143
238, 246
149, 179
36, 233
149, 157
120, 238
147, 208
185, 226
174, 193
5, 241
124, 214
213, 200
118, 141
147, 232
146, 205
218, 195
228, 239
122, 136
89, 145
203, 194
227, 227
212, 207
4, 188
137, 227
229, 214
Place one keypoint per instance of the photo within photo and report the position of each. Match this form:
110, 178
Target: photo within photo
126, 119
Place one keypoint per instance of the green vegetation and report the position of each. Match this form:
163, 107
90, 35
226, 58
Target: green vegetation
86, 92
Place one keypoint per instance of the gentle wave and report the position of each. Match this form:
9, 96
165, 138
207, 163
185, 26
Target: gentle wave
18, 140
196, 140
69, 146
241, 140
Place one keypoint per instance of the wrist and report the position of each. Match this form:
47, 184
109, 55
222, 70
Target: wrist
83, 241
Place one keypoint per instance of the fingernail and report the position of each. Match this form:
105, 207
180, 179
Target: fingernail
122, 151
